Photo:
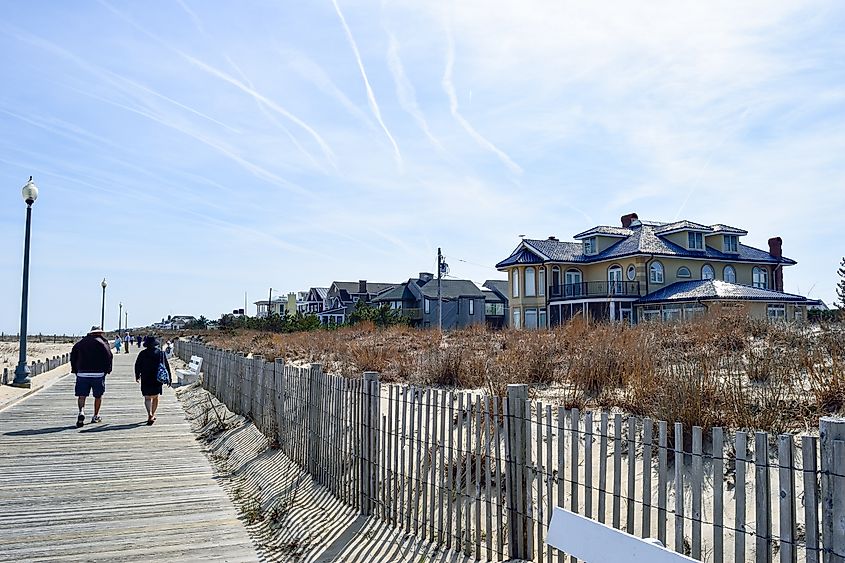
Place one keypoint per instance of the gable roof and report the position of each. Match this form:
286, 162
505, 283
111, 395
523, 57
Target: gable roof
491, 296
351, 288
680, 226
499, 286
697, 290
449, 289
396, 293
605, 231
319, 292
643, 239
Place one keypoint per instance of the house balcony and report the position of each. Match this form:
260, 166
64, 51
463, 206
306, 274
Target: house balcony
594, 289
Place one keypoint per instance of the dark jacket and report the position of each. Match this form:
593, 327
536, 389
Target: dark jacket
92, 354
146, 364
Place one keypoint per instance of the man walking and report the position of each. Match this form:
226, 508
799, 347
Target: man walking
91, 361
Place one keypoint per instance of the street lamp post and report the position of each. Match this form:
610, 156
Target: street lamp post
119, 318
30, 194
103, 310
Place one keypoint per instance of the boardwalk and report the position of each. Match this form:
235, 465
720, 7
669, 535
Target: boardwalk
114, 491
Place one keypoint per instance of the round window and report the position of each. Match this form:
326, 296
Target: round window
632, 272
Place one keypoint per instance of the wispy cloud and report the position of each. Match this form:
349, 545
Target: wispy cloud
449, 88
405, 90
370, 95
327, 151
193, 15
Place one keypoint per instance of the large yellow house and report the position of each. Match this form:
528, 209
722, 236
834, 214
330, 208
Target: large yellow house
646, 270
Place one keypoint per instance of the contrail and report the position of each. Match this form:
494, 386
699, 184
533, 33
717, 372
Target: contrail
405, 90
225, 77
698, 176
449, 88
260, 97
255, 169
193, 15
120, 82
270, 117
370, 95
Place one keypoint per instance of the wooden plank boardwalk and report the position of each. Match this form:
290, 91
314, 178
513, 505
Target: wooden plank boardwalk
114, 491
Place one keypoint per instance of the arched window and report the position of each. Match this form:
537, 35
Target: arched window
572, 282
614, 279
707, 272
729, 274
515, 282
557, 290
683, 272
632, 272
530, 282
656, 272
760, 278
541, 281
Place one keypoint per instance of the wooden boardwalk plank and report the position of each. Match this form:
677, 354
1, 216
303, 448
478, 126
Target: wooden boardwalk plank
114, 491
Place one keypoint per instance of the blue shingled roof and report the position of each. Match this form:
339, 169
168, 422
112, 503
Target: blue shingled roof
642, 240
522, 256
697, 290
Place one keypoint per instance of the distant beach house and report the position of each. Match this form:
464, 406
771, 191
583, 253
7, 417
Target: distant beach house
315, 300
277, 307
462, 301
644, 270
341, 298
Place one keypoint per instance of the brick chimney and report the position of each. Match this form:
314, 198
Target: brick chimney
362, 286
776, 250
426, 276
627, 219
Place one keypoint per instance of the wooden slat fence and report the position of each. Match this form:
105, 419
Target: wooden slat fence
481, 474
37, 367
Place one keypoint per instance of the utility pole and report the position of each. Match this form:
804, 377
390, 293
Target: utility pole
439, 300
270, 303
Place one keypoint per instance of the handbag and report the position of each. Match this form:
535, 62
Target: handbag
162, 376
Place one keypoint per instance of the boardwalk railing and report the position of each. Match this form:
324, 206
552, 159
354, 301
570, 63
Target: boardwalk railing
481, 474
38, 367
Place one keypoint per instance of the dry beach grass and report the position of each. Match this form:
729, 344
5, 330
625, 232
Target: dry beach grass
723, 370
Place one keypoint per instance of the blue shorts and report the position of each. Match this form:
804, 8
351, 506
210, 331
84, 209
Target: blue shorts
85, 385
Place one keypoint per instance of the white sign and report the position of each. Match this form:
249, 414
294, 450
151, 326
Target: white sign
595, 542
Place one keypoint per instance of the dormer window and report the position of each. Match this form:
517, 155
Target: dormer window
590, 245
695, 241
731, 244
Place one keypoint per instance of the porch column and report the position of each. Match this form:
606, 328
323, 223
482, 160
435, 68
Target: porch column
612, 310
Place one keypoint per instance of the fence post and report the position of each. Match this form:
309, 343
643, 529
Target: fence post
315, 401
832, 430
278, 398
515, 470
370, 446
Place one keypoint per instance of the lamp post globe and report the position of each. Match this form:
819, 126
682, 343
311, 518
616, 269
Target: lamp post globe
30, 194
103, 309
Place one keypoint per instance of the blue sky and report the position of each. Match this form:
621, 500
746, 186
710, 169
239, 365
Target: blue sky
193, 151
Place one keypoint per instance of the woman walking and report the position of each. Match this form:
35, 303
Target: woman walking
146, 371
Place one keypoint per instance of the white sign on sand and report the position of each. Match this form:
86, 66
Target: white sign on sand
595, 542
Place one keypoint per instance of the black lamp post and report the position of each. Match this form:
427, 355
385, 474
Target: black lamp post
103, 310
30, 194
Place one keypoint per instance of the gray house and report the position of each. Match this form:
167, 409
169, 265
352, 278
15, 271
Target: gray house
496, 303
462, 301
341, 298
